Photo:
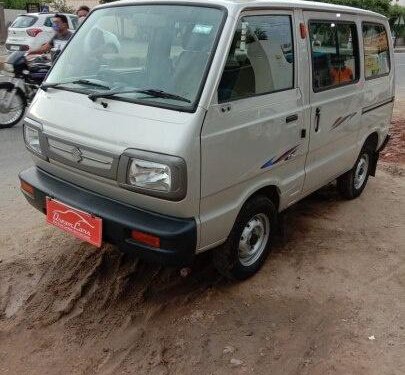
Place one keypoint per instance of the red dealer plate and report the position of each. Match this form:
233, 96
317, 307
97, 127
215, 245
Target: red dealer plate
81, 224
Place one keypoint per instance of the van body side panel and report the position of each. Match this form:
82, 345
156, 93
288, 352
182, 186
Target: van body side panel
378, 96
248, 144
333, 147
238, 151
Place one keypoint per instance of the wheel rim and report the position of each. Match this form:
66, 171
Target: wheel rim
13, 112
361, 171
254, 239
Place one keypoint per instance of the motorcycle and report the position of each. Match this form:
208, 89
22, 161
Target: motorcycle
26, 75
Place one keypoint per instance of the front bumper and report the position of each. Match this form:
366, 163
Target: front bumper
178, 236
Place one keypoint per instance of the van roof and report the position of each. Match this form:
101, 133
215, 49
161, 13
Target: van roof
235, 6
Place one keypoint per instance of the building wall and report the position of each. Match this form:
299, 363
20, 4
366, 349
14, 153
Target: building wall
399, 2
11, 14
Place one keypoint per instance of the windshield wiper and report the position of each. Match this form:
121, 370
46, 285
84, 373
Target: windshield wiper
152, 92
88, 82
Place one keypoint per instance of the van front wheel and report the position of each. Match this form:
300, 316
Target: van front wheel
249, 242
352, 183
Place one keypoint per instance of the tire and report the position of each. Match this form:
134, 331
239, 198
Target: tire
351, 184
254, 228
8, 120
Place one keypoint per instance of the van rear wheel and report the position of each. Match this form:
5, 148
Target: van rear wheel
249, 242
352, 183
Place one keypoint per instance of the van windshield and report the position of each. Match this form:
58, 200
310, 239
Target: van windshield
140, 50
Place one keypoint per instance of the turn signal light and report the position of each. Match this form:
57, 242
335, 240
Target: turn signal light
145, 238
27, 187
34, 32
303, 30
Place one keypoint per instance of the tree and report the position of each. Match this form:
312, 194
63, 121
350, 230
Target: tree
17, 4
61, 6
395, 13
397, 21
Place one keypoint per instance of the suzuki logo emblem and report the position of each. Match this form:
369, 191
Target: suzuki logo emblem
76, 154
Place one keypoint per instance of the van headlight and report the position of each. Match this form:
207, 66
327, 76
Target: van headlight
149, 175
32, 136
153, 174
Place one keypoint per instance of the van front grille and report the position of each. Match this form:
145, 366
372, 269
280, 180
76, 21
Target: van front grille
82, 157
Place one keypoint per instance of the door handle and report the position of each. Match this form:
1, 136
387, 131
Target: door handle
317, 118
291, 118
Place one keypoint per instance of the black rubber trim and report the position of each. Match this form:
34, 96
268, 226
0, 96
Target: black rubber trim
376, 156
178, 236
385, 142
377, 105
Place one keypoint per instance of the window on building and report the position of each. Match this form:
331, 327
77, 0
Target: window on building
335, 58
261, 58
376, 50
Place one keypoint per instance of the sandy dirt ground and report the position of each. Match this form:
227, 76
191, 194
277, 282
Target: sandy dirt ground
329, 300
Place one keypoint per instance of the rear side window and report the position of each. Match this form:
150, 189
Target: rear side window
24, 21
74, 21
48, 22
335, 54
261, 58
376, 51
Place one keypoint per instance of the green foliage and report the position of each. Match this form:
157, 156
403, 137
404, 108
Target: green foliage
385, 7
397, 20
56, 5
17, 4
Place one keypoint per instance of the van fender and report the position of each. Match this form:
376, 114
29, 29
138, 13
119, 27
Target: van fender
220, 218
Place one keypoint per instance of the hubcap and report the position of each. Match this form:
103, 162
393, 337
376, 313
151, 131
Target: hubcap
254, 239
361, 171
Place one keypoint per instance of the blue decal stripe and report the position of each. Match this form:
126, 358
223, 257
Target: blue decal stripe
283, 157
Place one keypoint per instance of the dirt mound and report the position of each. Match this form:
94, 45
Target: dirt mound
395, 150
88, 282
105, 300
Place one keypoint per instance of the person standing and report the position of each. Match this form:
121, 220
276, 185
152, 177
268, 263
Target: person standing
82, 12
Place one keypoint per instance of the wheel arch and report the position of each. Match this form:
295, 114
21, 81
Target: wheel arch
270, 191
373, 140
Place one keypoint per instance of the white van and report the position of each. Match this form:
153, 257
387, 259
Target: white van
210, 119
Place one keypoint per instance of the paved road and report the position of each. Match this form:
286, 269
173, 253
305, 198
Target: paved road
400, 74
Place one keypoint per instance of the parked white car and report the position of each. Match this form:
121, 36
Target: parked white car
31, 30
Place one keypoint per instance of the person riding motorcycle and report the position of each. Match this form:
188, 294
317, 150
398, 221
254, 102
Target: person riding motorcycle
59, 40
